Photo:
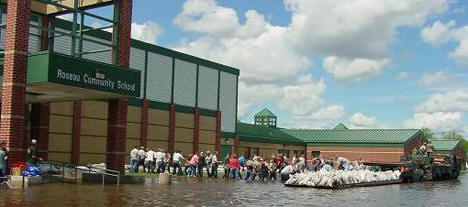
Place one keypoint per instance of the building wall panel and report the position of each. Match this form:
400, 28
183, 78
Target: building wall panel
185, 148
93, 144
133, 130
370, 154
60, 142
207, 137
160, 117
183, 135
86, 159
134, 114
185, 75
208, 88
158, 144
88, 46
228, 105
208, 123
95, 127
159, 76
158, 132
95, 109
206, 147
184, 120
63, 108
60, 156
60, 124
137, 62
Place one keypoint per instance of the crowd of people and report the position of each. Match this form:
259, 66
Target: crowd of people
197, 164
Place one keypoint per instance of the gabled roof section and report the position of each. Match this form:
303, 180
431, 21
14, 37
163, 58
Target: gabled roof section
340, 126
257, 133
444, 145
355, 136
265, 113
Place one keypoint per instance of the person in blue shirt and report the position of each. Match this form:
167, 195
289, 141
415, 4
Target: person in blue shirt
242, 162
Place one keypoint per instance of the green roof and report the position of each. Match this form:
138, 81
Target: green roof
444, 145
258, 133
354, 136
265, 113
340, 126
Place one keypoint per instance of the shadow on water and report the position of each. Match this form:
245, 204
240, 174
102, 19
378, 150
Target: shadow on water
218, 192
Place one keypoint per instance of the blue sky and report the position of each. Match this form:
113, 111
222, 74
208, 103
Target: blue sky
368, 64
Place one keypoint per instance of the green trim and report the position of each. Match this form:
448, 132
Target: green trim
67, 70
227, 135
321, 144
64, 24
158, 105
207, 112
134, 102
272, 140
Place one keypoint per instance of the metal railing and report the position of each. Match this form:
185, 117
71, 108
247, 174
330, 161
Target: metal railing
89, 169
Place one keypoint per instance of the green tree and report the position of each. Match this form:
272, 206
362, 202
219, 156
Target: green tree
452, 135
427, 134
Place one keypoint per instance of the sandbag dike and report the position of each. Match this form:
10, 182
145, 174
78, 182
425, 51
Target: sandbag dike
336, 179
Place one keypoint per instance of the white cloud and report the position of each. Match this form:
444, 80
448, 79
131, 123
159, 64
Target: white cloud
452, 101
146, 32
437, 121
403, 76
328, 112
353, 69
354, 39
440, 33
442, 77
359, 120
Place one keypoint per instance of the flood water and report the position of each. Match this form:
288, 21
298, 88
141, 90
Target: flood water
207, 192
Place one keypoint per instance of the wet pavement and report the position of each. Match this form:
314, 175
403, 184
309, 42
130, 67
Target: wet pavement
218, 192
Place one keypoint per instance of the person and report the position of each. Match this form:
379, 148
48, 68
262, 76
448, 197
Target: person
167, 162
141, 158
3, 159
201, 164
263, 172
227, 172
160, 156
193, 164
214, 164
177, 159
286, 172
242, 163
134, 159
32, 158
422, 149
234, 166
249, 166
429, 148
272, 168
343, 163
302, 163
149, 160
208, 163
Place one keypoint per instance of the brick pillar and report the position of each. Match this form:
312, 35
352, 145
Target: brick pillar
117, 109
172, 120
116, 134
12, 128
218, 132
196, 130
40, 118
144, 122
76, 133
236, 143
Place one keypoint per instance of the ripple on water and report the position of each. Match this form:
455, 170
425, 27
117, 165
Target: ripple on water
218, 192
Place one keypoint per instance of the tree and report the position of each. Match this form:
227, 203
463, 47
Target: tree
427, 134
452, 135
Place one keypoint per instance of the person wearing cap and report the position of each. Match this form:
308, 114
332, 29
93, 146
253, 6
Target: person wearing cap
31, 158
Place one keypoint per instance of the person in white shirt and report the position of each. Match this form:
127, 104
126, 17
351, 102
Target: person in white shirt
302, 163
160, 156
141, 158
134, 159
150, 160
288, 170
214, 164
177, 159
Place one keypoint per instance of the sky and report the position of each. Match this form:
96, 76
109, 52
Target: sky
315, 63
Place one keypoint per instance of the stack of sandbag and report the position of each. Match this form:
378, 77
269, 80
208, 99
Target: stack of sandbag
339, 177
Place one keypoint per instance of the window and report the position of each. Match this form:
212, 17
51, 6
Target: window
256, 151
247, 153
315, 153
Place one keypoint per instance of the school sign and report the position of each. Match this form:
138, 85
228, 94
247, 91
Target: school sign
78, 72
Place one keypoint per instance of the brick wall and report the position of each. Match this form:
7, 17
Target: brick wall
369, 154
12, 126
415, 143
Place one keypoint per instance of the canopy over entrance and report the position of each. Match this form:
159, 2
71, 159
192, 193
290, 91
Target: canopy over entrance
57, 77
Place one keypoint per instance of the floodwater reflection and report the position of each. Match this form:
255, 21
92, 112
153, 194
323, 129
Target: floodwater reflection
218, 192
